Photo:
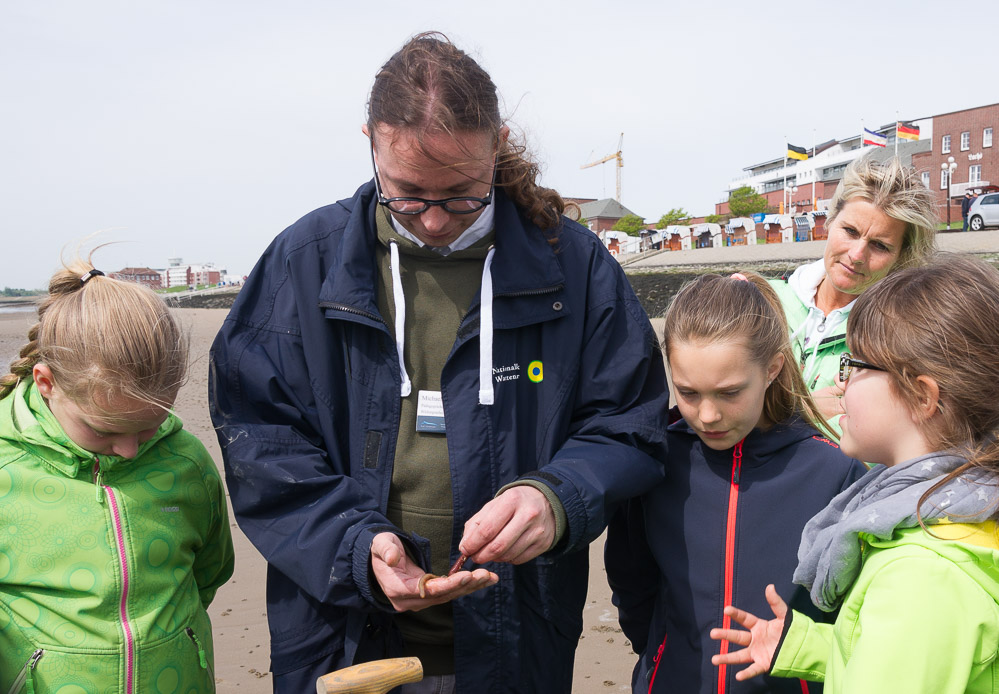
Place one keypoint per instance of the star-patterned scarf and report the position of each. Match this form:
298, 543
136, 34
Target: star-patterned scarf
883, 500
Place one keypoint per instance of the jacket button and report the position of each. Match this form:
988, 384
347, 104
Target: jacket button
557, 306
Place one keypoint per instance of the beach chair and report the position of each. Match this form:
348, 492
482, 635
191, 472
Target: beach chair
376, 677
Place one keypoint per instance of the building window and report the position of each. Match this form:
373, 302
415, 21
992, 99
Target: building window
943, 179
965, 141
987, 137
926, 179
945, 146
975, 174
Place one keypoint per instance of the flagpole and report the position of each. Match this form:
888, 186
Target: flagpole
784, 206
896, 133
814, 206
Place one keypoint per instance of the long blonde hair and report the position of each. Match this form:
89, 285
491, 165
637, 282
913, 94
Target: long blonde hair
713, 308
106, 338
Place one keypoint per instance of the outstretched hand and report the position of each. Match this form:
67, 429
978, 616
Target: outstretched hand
760, 642
399, 577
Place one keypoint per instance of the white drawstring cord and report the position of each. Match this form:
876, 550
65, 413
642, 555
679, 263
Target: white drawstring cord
400, 318
486, 395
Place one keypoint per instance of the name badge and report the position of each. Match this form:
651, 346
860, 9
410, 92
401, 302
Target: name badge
430, 412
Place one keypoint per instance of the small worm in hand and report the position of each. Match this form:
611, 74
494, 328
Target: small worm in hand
422, 584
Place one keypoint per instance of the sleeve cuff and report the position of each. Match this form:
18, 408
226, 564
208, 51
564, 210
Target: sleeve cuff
561, 519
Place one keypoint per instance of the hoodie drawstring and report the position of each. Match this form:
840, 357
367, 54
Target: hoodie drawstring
486, 395
486, 392
400, 318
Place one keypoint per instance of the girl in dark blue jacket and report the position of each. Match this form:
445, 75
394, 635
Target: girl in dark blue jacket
746, 470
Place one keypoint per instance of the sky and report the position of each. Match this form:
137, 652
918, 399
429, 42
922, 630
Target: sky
201, 129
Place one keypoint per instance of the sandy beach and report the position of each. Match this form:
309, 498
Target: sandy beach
603, 661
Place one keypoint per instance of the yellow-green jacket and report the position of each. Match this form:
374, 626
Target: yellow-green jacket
922, 616
106, 564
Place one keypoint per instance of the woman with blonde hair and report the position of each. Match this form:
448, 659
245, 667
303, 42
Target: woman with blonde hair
114, 534
881, 219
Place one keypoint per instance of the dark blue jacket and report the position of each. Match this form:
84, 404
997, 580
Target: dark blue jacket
305, 398
724, 522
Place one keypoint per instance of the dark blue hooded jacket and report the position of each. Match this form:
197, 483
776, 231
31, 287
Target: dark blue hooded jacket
722, 523
305, 398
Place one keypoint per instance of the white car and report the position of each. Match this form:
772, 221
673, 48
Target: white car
984, 212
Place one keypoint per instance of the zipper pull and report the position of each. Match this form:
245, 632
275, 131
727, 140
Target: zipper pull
202, 658
98, 474
23, 678
737, 463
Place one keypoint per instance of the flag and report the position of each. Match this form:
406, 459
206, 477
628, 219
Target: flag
876, 139
796, 152
907, 131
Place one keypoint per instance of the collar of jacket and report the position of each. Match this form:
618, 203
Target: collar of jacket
758, 447
28, 422
524, 263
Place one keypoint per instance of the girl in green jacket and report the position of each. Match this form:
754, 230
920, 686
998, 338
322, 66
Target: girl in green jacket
909, 554
114, 534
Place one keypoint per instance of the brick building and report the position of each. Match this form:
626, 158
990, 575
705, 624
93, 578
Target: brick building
965, 135
142, 275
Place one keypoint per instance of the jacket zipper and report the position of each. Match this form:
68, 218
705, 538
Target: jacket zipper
24, 676
733, 508
202, 656
355, 311
659, 656
119, 533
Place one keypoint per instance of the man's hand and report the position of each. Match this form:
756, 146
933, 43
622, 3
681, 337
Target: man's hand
399, 577
829, 400
515, 527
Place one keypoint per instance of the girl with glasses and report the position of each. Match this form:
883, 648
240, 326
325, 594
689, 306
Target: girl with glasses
908, 554
746, 469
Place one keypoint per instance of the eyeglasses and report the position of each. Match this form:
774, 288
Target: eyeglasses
459, 205
847, 364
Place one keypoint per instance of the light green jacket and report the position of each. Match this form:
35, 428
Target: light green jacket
106, 564
923, 616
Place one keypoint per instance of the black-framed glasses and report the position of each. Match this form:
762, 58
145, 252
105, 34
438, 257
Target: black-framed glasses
847, 364
460, 205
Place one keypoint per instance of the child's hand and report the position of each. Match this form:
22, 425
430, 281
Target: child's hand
760, 641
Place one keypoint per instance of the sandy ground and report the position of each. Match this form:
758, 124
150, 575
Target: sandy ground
603, 661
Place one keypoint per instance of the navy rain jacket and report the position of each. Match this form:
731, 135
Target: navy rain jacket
716, 532
305, 398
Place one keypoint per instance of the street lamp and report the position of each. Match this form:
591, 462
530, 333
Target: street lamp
949, 167
792, 191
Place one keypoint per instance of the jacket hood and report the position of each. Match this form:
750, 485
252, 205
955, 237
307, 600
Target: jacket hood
972, 547
758, 446
27, 422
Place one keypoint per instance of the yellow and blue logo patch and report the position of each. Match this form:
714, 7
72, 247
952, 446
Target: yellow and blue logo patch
535, 371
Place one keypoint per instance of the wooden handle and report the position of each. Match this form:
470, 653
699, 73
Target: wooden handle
376, 677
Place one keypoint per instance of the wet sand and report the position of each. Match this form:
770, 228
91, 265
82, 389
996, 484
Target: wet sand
603, 660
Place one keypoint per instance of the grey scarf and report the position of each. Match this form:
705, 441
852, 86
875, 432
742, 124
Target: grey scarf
880, 502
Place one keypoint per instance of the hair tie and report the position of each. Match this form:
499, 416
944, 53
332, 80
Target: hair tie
739, 276
92, 273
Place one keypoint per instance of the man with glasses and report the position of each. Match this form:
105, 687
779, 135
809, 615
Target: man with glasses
430, 398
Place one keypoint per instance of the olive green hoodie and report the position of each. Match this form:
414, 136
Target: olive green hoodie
106, 564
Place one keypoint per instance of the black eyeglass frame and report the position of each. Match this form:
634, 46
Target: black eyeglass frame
427, 204
847, 364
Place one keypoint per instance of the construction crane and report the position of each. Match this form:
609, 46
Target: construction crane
609, 157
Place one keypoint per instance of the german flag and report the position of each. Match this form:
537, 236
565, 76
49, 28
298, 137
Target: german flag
796, 152
907, 131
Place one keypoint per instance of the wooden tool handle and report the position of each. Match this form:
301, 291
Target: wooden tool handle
376, 677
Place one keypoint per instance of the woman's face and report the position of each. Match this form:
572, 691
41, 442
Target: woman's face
864, 243
719, 389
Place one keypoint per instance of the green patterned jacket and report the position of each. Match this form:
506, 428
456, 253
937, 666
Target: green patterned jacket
106, 564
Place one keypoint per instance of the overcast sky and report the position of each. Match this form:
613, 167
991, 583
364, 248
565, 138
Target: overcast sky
202, 129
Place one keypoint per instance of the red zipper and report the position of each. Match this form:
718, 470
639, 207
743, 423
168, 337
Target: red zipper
733, 507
